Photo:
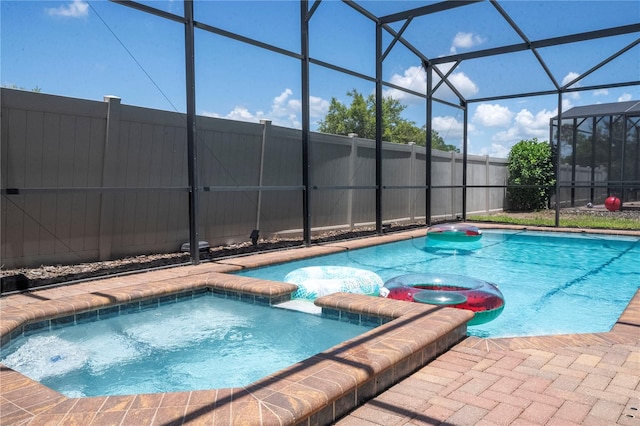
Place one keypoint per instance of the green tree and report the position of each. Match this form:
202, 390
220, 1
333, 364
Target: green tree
360, 118
530, 163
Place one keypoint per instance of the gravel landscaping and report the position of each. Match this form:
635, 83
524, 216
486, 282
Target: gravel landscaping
24, 278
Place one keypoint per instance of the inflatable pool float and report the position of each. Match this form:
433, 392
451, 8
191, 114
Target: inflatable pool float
456, 291
316, 281
454, 232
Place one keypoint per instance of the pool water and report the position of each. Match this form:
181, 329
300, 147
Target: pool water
206, 342
553, 283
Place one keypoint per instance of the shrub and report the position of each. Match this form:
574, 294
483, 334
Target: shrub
530, 163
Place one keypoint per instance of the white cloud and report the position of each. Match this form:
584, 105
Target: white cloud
463, 84
445, 68
526, 126
75, 9
492, 115
450, 127
318, 107
242, 114
624, 97
569, 78
496, 150
534, 125
509, 136
465, 41
284, 111
600, 92
415, 78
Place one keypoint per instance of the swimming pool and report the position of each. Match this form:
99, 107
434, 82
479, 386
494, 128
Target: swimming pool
201, 342
553, 283
363, 366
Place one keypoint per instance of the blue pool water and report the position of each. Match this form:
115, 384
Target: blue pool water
202, 343
553, 283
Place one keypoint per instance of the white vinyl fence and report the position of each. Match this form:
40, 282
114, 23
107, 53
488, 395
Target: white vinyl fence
85, 180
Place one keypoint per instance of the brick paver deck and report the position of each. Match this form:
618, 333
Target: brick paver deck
588, 379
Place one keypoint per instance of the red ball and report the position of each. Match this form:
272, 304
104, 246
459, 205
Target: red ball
612, 204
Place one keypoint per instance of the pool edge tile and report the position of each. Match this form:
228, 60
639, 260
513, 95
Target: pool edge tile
213, 404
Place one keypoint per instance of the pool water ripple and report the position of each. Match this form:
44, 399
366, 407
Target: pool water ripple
206, 342
552, 282
594, 271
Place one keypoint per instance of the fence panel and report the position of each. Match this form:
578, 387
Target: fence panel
51, 147
85, 180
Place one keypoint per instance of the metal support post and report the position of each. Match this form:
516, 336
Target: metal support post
428, 142
379, 128
558, 157
306, 157
192, 156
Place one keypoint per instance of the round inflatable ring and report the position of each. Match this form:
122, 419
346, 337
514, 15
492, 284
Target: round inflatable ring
456, 291
436, 297
317, 281
454, 232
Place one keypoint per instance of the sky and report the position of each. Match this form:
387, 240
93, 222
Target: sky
90, 49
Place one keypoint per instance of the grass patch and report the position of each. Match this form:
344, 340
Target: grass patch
600, 223
511, 220
569, 221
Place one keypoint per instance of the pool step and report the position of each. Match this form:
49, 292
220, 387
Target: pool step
305, 306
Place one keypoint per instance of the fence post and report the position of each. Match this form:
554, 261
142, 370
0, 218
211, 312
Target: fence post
352, 169
487, 179
412, 181
453, 184
266, 130
109, 158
